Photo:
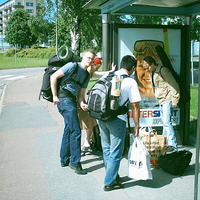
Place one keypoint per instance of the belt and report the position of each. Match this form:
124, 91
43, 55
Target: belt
65, 93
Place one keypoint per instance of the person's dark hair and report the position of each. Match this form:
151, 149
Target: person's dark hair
128, 62
150, 60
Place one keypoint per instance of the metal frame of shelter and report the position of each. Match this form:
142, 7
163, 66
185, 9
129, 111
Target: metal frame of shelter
186, 8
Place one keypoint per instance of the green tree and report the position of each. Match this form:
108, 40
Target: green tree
41, 29
130, 19
195, 33
78, 27
167, 20
42, 25
17, 31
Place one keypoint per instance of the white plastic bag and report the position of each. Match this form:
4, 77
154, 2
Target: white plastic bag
145, 130
139, 161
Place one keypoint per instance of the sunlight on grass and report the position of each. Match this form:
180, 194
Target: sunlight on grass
12, 62
194, 101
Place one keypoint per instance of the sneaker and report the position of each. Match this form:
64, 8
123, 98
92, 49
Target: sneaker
170, 149
78, 169
115, 186
64, 164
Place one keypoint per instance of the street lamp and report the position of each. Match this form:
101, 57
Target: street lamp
56, 27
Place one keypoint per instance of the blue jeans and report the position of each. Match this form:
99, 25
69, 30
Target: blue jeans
168, 130
112, 140
70, 151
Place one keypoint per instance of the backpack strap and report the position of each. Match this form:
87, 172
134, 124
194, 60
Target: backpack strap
74, 71
128, 120
161, 73
125, 76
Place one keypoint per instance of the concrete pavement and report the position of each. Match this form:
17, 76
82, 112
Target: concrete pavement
30, 135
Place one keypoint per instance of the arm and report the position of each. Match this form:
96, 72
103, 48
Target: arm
100, 74
54, 79
97, 74
172, 85
136, 116
81, 99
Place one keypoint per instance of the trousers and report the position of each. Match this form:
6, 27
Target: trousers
112, 139
168, 130
70, 151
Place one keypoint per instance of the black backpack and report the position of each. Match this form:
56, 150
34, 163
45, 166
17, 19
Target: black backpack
54, 64
175, 163
99, 98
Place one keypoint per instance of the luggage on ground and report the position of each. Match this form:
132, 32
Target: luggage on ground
176, 162
96, 139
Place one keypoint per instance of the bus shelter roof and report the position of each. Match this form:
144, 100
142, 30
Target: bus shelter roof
147, 7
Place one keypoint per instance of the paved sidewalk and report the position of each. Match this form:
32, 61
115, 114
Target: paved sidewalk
29, 158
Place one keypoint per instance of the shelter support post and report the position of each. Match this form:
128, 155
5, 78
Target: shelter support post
187, 63
197, 160
106, 40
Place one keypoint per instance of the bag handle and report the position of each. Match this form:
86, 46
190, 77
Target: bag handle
154, 132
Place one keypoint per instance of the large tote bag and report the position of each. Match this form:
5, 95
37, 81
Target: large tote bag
139, 161
156, 146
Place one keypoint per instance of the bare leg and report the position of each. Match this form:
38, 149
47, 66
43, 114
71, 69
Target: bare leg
88, 137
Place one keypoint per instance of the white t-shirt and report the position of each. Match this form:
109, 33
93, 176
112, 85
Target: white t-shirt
130, 91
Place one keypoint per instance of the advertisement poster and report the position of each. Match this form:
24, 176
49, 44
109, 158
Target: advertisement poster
164, 45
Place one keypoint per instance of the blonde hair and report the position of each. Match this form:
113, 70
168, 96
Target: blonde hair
86, 51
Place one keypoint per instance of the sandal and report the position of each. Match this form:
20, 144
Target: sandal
113, 187
86, 149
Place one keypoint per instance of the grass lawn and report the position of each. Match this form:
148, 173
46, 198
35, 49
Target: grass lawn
193, 110
12, 62
194, 101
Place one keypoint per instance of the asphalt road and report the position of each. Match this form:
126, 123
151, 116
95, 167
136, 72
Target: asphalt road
30, 135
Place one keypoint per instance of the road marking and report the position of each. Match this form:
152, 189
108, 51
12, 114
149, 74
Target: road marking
5, 76
15, 78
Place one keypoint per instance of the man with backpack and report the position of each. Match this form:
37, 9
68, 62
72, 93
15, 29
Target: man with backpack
113, 131
65, 97
167, 93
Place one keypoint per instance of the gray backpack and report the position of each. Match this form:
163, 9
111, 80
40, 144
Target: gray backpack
99, 98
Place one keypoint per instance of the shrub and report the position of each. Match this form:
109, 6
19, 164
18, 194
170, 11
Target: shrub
11, 52
36, 52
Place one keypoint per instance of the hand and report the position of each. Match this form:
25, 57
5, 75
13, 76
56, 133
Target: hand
55, 100
84, 106
174, 105
136, 131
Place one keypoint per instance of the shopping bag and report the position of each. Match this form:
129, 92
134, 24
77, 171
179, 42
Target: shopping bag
139, 161
156, 146
145, 130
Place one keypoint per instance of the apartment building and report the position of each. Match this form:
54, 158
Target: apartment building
10, 6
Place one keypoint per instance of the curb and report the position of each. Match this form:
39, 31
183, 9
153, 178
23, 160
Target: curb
2, 93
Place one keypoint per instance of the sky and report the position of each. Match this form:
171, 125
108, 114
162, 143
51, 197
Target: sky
2, 1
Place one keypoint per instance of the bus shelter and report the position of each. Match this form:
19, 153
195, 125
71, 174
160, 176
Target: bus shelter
173, 41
